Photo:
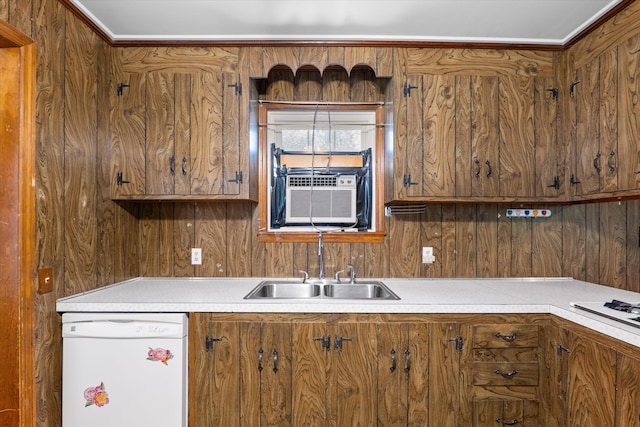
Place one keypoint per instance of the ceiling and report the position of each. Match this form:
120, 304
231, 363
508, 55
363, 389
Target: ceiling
537, 22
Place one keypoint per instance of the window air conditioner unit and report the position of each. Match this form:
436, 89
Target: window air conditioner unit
321, 199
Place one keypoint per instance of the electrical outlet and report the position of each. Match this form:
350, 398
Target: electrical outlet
427, 255
196, 256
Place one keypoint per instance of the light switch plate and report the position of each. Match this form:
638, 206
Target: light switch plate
45, 280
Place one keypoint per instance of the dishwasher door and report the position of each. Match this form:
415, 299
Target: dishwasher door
124, 370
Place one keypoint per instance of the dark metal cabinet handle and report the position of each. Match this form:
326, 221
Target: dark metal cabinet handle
511, 337
507, 423
275, 361
489, 170
172, 165
184, 166
612, 168
407, 361
478, 168
506, 374
260, 354
393, 360
596, 163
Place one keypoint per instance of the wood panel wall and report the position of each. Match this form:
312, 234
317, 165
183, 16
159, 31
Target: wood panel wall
90, 241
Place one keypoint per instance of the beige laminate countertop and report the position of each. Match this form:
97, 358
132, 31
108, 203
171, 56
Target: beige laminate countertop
453, 296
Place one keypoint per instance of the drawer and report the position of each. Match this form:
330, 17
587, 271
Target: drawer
505, 374
505, 335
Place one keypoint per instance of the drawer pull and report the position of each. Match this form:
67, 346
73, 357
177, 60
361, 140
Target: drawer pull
506, 374
507, 423
260, 354
393, 360
511, 337
275, 361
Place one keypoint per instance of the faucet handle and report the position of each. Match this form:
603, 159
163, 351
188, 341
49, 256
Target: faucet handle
306, 276
337, 275
352, 273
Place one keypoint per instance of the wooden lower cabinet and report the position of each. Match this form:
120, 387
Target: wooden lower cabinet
344, 370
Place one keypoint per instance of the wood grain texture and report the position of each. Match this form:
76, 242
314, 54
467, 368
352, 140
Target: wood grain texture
590, 363
414, 143
438, 120
309, 375
182, 132
393, 391
444, 374
546, 244
464, 163
490, 62
80, 155
629, 121
613, 238
276, 377
250, 387
548, 156
517, 141
211, 237
160, 133
128, 136
573, 241
487, 241
231, 102
186, 59
485, 138
206, 160
466, 241
587, 95
609, 120
627, 391
351, 396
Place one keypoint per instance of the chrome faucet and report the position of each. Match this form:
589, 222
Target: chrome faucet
320, 255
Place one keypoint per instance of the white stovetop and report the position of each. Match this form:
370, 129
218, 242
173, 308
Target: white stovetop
551, 295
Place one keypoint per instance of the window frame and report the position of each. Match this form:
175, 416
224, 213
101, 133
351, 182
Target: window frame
378, 232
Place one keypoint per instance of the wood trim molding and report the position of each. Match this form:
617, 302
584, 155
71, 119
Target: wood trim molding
337, 43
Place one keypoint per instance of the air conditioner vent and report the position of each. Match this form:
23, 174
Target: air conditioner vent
315, 181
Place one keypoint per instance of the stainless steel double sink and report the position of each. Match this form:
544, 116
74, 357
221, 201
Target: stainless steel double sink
317, 289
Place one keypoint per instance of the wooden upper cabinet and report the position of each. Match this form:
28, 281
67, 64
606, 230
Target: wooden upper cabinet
177, 136
476, 137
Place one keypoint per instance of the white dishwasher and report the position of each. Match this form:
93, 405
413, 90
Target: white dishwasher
124, 369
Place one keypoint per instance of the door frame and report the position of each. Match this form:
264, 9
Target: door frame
21, 294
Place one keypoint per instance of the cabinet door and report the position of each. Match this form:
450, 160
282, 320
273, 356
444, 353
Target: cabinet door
591, 382
629, 122
206, 159
403, 374
485, 136
352, 375
628, 391
517, 143
214, 372
549, 174
596, 102
431, 138
127, 131
334, 386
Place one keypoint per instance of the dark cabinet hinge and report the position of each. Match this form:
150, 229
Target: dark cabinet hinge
561, 349
554, 92
237, 87
210, 341
458, 342
120, 180
406, 89
120, 88
572, 87
573, 180
238, 178
406, 181
556, 183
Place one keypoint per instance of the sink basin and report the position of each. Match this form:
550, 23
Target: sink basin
362, 290
284, 290
294, 289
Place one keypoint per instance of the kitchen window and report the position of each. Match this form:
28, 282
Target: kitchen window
321, 171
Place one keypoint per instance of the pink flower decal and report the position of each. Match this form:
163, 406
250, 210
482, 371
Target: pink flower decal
96, 396
159, 355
